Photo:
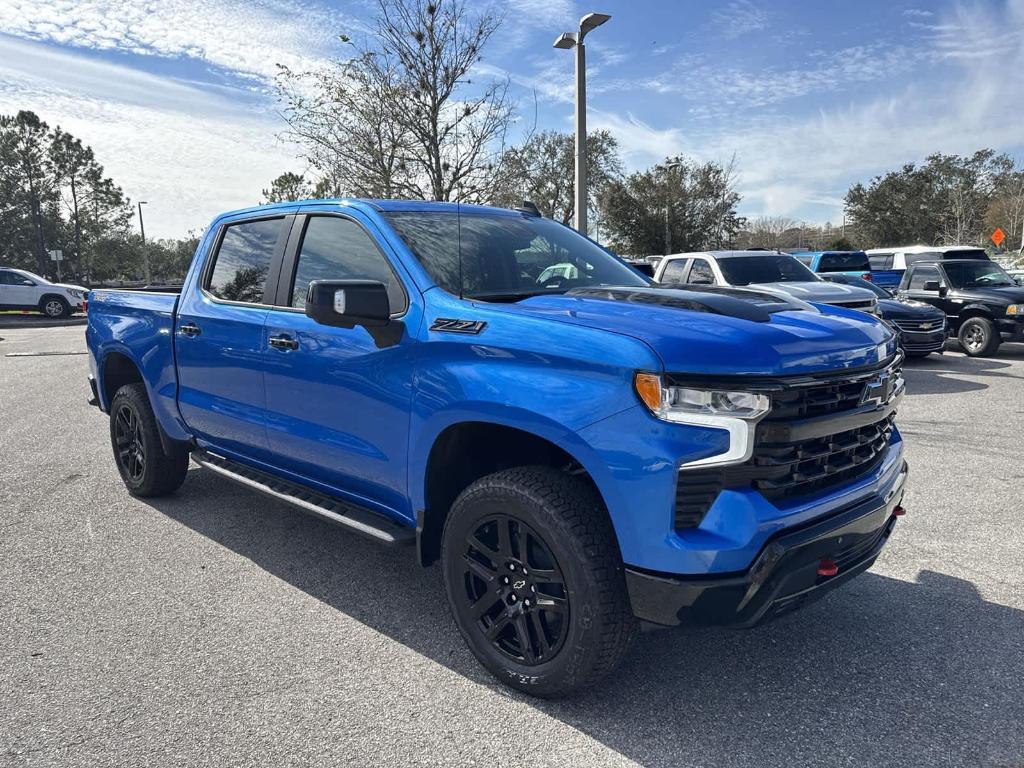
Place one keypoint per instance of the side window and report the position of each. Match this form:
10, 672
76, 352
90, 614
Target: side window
243, 260
675, 270
701, 273
922, 275
334, 248
880, 261
5, 277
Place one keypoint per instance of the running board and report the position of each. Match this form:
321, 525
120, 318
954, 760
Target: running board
366, 522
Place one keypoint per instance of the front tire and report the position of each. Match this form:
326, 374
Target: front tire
54, 307
535, 581
978, 337
146, 468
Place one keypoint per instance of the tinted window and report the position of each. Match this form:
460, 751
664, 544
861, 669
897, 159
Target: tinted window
880, 261
844, 262
701, 273
805, 260
14, 278
506, 258
923, 275
6, 278
675, 271
769, 268
339, 249
243, 260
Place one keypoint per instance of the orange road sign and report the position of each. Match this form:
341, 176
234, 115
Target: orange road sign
998, 236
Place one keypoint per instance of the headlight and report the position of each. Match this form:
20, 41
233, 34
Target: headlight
680, 403
1015, 309
734, 411
76, 294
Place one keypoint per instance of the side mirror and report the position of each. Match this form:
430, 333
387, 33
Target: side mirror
931, 285
348, 303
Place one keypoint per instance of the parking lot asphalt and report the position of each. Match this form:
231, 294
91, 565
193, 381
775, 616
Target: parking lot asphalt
217, 627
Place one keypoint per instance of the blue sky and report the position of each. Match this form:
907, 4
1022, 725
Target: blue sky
808, 95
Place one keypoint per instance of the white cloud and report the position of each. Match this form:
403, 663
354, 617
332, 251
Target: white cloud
794, 164
738, 18
245, 38
189, 152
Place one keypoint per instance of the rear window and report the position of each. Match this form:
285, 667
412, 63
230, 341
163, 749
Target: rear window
856, 261
242, 262
880, 261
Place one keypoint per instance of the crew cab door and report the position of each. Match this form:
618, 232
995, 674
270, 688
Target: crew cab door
339, 399
219, 336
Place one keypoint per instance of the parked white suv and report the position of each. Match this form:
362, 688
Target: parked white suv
23, 290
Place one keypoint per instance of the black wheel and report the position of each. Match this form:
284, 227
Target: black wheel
54, 306
147, 470
978, 337
535, 582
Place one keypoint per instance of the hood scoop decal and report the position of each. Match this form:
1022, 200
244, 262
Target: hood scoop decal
732, 302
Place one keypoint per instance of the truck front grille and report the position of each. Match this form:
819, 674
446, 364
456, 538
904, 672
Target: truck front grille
792, 469
920, 326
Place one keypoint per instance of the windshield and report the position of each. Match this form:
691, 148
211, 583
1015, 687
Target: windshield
507, 258
977, 274
767, 268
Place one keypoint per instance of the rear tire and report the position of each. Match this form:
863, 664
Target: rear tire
978, 337
535, 581
54, 307
146, 468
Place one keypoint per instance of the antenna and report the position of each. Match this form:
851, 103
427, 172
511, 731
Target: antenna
458, 184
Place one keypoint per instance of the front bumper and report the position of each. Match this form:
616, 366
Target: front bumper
1011, 329
916, 342
783, 577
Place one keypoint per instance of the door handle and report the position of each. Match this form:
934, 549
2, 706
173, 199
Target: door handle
284, 343
191, 330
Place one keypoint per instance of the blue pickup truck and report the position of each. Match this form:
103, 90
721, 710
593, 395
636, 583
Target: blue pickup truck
578, 448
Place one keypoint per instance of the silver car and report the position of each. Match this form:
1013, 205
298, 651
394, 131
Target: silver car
768, 271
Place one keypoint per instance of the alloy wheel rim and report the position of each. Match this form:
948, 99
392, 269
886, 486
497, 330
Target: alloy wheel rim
514, 591
128, 436
975, 337
54, 308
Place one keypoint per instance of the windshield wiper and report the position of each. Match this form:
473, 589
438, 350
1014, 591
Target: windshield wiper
511, 296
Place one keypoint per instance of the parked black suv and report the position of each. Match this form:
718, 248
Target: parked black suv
983, 305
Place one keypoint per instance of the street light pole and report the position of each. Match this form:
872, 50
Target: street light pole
145, 252
575, 40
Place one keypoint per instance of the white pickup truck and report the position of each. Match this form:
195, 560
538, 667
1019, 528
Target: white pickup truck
26, 291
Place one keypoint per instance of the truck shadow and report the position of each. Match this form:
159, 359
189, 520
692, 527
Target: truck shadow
882, 672
941, 375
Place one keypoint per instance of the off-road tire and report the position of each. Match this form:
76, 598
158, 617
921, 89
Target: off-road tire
567, 516
146, 468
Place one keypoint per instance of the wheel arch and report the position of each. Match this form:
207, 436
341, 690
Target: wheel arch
51, 295
464, 450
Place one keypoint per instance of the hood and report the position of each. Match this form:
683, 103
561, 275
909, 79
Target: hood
822, 292
891, 309
69, 287
724, 331
1005, 295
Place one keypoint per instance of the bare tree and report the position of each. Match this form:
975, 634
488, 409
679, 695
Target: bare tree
401, 118
769, 231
